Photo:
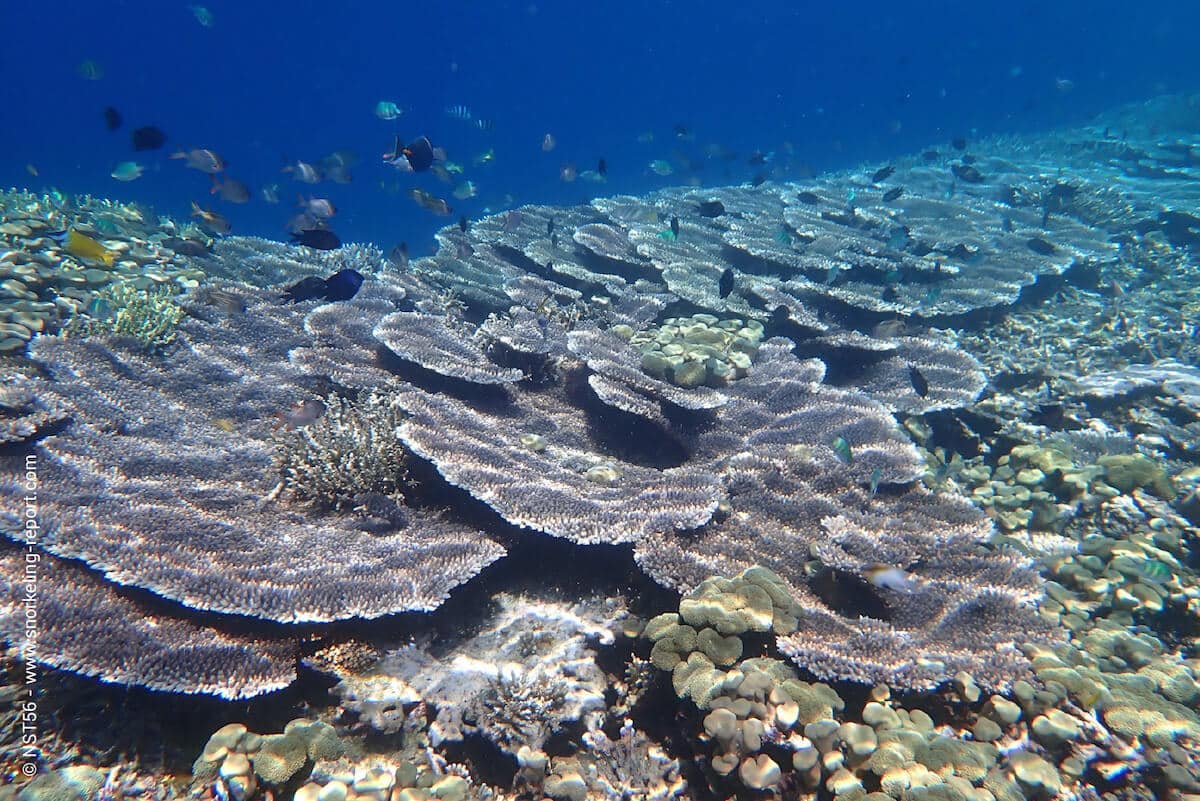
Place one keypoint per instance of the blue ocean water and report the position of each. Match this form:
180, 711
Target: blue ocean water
813, 86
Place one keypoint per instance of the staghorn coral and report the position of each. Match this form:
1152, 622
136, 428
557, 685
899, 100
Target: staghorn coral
346, 455
165, 478
86, 626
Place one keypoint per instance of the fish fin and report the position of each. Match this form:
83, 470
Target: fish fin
216, 185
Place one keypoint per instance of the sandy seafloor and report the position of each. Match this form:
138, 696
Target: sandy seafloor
881, 484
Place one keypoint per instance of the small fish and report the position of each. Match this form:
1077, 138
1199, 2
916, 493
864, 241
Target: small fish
148, 137
889, 329
217, 223
128, 171
462, 223
967, 174
202, 15
808, 198
459, 112
661, 167
882, 174
675, 226
876, 477
711, 208
958, 143
831, 275
932, 295
486, 157
919, 384
228, 302
318, 207
32, 170
303, 413
270, 193
550, 226
554, 241
230, 189
465, 190
87, 248
317, 239
387, 110
783, 237
112, 118
667, 235
602, 168
398, 256
841, 449
419, 153
485, 125
893, 194
89, 70
304, 172
1153, 570
1041, 246
99, 308
725, 283
759, 179
568, 172
343, 284
431, 203
682, 132
887, 577
201, 159
514, 219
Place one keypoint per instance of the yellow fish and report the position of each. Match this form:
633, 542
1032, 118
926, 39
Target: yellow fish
87, 248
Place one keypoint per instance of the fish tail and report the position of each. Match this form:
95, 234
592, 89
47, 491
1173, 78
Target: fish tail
216, 185
196, 210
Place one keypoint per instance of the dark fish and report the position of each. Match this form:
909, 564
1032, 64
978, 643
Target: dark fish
959, 143
1006, 224
893, 194
462, 223
681, 130
781, 315
1041, 246
343, 284
757, 158
310, 287
418, 154
810, 198
549, 226
882, 174
966, 173
112, 118
919, 384
317, 238
759, 179
968, 159
711, 208
148, 138
187, 247
554, 241
675, 226
930, 155
602, 167
725, 285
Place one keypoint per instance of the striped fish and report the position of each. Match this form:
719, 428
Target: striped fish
459, 113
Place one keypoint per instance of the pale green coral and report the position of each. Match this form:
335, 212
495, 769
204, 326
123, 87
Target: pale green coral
151, 315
